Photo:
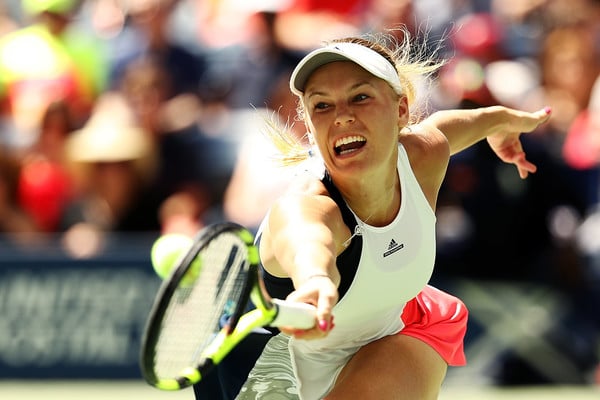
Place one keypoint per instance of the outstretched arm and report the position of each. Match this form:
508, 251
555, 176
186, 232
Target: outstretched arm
502, 126
300, 241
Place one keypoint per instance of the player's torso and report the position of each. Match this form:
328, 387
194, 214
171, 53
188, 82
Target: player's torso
395, 262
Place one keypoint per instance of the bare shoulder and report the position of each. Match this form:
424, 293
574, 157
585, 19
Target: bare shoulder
306, 184
306, 197
306, 205
423, 143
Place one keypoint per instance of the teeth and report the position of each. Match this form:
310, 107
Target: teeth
349, 139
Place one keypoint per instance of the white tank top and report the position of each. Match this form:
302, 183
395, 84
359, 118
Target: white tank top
396, 263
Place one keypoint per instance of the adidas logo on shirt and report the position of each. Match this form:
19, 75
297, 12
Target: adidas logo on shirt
392, 248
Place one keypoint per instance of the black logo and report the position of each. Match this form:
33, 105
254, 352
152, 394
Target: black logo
393, 247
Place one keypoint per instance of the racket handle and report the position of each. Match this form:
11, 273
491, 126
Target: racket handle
294, 314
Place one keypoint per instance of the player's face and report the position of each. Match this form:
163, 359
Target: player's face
354, 117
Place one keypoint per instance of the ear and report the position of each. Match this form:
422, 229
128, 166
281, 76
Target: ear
403, 112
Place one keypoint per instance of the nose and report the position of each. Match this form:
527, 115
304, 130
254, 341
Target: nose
344, 115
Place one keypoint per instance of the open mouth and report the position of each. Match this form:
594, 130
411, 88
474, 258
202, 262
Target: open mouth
349, 144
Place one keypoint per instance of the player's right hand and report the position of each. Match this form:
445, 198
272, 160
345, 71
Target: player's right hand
321, 292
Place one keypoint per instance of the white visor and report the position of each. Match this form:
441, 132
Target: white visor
368, 59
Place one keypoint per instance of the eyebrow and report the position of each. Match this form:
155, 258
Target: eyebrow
353, 87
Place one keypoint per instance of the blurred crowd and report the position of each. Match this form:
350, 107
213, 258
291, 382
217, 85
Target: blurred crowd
146, 116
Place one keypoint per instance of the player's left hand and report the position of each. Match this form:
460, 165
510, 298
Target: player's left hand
506, 142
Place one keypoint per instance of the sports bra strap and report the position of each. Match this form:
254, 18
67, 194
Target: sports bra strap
347, 262
335, 194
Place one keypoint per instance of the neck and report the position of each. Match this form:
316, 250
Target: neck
374, 202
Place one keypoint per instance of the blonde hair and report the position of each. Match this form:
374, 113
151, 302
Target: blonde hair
414, 61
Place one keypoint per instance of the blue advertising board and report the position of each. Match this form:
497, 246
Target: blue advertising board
62, 317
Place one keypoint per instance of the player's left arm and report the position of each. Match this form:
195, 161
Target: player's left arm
501, 126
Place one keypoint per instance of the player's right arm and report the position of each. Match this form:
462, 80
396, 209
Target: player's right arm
301, 240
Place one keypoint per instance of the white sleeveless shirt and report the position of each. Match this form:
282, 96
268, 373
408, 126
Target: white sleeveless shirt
396, 263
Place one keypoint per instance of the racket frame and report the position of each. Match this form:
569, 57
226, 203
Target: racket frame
240, 324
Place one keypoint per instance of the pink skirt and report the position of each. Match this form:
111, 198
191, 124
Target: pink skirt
440, 320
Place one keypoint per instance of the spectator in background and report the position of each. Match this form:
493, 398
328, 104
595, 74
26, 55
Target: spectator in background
50, 59
56, 125
142, 31
569, 63
161, 79
245, 58
527, 22
193, 168
304, 24
114, 161
45, 182
382, 15
246, 73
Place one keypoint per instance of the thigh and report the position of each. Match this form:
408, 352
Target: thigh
394, 367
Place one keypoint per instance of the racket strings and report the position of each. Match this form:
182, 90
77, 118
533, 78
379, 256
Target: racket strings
197, 310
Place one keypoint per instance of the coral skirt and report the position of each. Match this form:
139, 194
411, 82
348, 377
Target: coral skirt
440, 320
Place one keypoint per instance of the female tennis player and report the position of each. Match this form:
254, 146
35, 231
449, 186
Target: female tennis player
357, 239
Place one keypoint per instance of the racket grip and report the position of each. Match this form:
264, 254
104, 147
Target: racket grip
294, 314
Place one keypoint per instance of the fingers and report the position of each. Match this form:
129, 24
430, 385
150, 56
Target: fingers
319, 331
327, 299
306, 334
524, 166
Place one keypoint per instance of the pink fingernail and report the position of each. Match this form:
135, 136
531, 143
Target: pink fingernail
323, 325
547, 109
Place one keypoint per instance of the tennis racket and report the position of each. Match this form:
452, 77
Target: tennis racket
192, 326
